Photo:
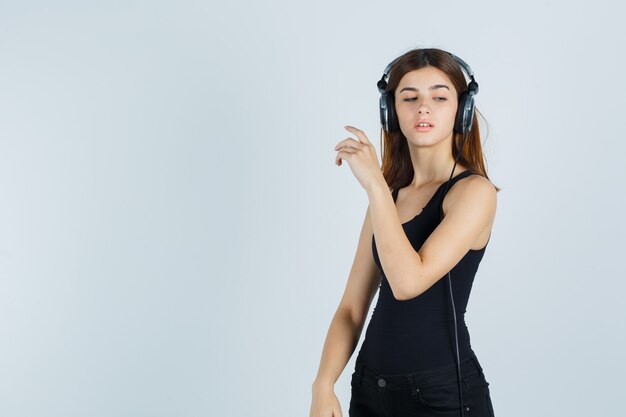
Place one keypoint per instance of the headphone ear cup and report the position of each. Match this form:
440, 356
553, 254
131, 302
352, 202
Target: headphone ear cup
382, 106
464, 114
388, 119
392, 119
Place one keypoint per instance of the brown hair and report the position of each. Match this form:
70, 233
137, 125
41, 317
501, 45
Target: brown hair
396, 160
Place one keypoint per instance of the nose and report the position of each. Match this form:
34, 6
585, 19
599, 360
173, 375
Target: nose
422, 108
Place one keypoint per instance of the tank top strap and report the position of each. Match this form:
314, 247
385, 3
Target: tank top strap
460, 176
446, 187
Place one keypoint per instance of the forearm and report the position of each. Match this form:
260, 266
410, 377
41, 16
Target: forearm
341, 341
399, 260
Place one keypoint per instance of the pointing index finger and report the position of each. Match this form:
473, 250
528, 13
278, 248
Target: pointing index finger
358, 132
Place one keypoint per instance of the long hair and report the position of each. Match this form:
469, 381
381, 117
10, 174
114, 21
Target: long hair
396, 160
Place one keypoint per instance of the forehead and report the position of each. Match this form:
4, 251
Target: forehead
424, 78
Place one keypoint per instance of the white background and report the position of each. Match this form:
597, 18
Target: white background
175, 236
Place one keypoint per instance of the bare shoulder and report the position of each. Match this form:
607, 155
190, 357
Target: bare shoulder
473, 191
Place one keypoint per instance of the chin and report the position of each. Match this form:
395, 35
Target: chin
425, 139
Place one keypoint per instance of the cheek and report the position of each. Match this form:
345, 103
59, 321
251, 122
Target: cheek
448, 112
404, 111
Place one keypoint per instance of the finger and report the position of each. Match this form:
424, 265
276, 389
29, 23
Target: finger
359, 133
347, 150
349, 142
344, 153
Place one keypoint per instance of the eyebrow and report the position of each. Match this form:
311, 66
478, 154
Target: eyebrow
433, 87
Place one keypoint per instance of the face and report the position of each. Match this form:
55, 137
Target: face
428, 94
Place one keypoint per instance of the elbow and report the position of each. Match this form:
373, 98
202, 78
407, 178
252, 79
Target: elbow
404, 295
400, 297
409, 290
410, 282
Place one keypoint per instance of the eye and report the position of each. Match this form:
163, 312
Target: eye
415, 98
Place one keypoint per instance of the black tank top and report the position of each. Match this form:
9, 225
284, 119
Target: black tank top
418, 334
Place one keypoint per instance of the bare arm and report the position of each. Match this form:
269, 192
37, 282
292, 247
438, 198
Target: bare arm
470, 206
349, 319
341, 341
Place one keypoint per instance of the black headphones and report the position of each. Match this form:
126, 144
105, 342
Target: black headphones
464, 114
462, 125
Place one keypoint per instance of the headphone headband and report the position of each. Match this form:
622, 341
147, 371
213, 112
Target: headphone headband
381, 88
472, 86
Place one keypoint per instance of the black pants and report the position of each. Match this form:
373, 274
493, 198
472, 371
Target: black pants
434, 392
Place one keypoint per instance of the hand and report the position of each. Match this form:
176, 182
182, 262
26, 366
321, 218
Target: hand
361, 157
325, 403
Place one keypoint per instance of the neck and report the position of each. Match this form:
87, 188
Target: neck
432, 164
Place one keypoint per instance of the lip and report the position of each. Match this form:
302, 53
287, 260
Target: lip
423, 129
424, 121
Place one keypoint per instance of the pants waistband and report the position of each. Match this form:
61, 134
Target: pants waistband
469, 366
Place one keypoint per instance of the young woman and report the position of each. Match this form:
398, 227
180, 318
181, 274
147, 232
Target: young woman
429, 219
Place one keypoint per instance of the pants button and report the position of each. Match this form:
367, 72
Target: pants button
382, 382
